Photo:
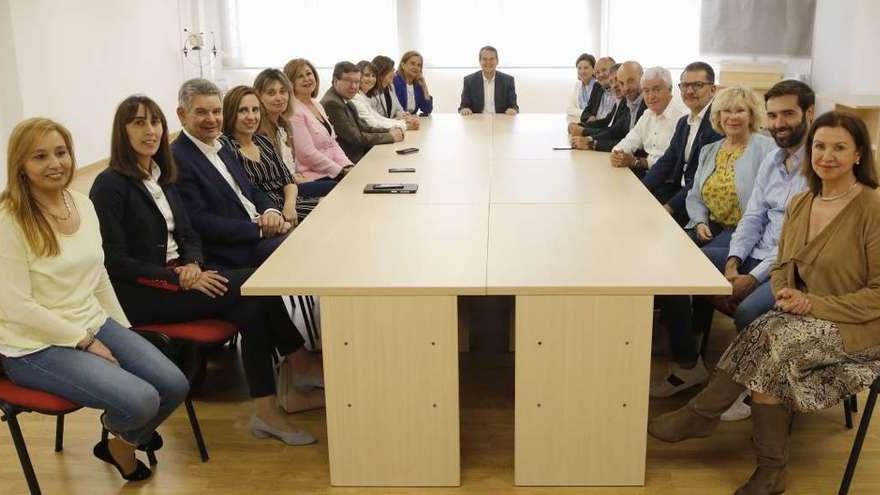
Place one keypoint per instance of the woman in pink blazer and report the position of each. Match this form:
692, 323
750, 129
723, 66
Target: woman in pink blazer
318, 155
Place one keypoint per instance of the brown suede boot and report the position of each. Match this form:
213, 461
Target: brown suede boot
700, 416
772, 430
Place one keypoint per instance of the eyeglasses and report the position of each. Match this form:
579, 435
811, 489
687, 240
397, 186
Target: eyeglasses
696, 86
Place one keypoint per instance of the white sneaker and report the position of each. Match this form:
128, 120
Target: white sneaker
679, 379
741, 409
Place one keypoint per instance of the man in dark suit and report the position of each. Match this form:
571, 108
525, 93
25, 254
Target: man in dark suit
628, 111
487, 89
234, 218
355, 136
671, 176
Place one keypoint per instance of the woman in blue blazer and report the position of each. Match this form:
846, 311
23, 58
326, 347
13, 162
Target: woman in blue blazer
410, 86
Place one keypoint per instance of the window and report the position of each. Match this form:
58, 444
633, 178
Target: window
551, 33
653, 33
268, 33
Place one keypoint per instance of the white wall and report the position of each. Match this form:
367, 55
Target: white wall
845, 41
10, 96
75, 61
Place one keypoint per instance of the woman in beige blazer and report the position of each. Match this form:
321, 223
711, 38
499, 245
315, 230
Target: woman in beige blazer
822, 343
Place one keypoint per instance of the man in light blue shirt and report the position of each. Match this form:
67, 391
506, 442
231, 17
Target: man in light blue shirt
752, 252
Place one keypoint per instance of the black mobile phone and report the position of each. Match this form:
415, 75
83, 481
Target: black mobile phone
407, 151
401, 170
560, 148
391, 188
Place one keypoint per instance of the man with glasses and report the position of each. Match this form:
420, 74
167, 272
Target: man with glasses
355, 136
647, 141
671, 176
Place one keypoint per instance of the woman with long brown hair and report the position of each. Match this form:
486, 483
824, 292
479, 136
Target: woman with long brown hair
154, 258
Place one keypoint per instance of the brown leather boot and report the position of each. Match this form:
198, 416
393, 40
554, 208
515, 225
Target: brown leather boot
700, 416
772, 430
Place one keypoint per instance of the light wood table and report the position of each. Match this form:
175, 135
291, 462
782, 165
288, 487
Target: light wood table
582, 246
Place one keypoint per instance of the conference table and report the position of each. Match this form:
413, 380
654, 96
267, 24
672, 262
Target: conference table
582, 246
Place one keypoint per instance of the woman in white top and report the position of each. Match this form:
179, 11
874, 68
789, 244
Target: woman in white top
62, 330
362, 102
383, 97
587, 92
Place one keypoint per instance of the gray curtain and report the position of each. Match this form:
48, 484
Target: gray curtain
757, 27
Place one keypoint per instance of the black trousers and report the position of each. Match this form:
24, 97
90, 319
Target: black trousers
262, 321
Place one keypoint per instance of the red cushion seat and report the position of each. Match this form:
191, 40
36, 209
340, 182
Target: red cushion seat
34, 400
206, 331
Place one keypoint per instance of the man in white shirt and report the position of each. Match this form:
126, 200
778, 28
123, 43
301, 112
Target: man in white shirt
234, 218
654, 129
488, 90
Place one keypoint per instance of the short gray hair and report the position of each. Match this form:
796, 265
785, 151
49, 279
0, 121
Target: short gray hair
657, 73
195, 87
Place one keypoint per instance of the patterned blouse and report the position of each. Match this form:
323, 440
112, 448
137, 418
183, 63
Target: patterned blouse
269, 174
719, 190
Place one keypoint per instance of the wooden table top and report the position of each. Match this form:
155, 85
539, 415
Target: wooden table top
498, 211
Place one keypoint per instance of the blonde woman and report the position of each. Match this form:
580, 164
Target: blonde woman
727, 168
62, 329
318, 155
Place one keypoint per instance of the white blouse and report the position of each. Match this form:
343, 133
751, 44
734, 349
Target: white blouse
372, 117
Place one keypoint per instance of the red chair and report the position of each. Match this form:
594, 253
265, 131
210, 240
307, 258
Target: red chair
15, 400
194, 333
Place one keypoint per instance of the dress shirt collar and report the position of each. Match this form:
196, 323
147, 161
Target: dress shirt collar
699, 118
672, 111
488, 80
155, 171
634, 105
207, 149
797, 157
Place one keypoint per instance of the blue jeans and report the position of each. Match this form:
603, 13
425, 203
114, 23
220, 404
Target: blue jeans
755, 304
137, 395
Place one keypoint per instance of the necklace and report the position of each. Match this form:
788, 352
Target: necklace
59, 218
838, 196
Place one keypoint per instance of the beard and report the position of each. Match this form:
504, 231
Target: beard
795, 134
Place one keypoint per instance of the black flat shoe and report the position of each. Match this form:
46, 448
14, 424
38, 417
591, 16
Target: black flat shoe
140, 472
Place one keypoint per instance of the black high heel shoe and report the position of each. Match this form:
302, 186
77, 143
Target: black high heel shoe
140, 472
150, 447
155, 443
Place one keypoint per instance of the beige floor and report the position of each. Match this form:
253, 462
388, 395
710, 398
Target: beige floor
242, 464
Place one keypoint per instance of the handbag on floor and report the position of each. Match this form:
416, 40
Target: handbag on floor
292, 398
305, 313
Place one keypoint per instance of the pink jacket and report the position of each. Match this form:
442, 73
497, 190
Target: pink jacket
317, 152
